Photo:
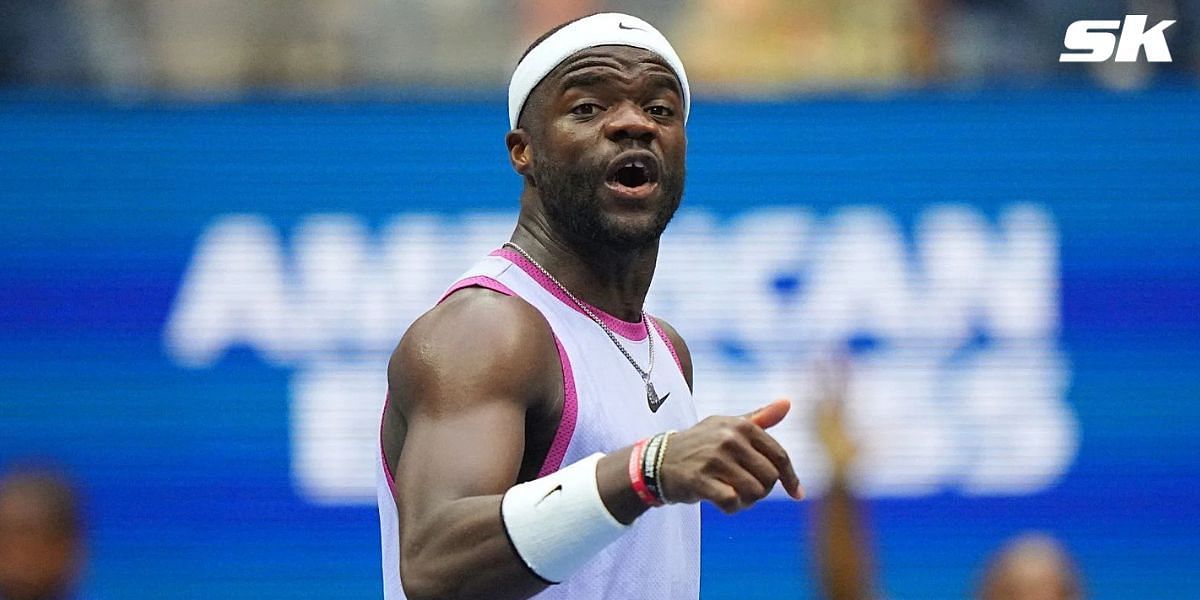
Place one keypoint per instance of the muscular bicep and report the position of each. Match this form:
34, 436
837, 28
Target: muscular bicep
474, 450
463, 379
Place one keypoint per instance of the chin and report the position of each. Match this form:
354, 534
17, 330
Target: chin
631, 232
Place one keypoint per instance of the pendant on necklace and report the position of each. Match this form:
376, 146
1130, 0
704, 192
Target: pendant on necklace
652, 397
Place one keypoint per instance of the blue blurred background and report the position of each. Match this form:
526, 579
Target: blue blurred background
210, 238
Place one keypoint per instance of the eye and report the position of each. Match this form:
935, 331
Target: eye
586, 108
660, 111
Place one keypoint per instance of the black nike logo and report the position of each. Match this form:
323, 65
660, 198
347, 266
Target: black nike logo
621, 25
658, 401
557, 488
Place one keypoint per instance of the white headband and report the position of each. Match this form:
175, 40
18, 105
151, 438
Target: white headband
605, 29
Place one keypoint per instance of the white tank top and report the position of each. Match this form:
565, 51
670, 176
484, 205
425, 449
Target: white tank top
604, 409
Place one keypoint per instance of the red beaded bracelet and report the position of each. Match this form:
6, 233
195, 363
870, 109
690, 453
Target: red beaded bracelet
635, 474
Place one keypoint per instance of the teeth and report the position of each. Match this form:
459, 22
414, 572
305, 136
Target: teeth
639, 164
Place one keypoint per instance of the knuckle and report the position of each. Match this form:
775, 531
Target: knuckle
752, 494
712, 466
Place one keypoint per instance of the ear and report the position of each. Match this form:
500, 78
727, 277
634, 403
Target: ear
520, 152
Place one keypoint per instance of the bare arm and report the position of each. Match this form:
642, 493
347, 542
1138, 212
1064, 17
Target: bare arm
843, 556
465, 379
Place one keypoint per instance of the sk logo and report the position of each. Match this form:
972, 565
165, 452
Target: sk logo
1092, 36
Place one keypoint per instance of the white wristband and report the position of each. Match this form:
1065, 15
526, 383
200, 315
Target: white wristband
558, 522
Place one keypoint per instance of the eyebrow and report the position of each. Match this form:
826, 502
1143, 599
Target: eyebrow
666, 80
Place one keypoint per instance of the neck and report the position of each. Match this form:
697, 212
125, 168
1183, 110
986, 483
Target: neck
613, 280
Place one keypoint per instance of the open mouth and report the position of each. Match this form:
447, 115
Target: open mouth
633, 174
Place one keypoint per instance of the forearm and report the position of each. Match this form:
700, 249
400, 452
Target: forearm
463, 551
537, 532
616, 491
843, 556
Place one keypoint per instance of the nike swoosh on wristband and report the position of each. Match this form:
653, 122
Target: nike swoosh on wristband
557, 488
621, 25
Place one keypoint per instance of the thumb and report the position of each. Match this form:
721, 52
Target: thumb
771, 414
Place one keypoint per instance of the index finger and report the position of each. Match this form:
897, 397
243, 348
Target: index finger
771, 448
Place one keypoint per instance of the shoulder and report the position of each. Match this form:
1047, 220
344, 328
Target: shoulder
476, 345
681, 349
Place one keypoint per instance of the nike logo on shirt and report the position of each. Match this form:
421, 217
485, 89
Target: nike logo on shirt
660, 401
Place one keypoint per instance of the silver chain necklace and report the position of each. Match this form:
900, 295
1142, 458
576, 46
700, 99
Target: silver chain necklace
652, 398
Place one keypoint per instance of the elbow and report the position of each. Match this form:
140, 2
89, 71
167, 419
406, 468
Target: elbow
421, 579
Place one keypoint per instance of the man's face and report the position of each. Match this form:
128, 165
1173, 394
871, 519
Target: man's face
609, 147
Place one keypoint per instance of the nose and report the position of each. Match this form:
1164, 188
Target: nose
629, 121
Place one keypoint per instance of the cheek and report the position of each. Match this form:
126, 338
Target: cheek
572, 137
678, 143
553, 154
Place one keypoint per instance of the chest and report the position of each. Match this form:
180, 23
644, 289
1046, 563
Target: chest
613, 408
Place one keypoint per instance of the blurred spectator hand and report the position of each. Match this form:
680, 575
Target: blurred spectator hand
830, 417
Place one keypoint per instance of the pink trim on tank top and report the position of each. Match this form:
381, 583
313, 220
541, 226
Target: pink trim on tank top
666, 340
566, 423
482, 281
632, 331
387, 469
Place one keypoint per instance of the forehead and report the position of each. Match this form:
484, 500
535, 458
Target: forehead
623, 59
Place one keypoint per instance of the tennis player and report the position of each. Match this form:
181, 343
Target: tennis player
539, 438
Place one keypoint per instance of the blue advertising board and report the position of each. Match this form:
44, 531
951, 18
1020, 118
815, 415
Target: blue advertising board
199, 300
